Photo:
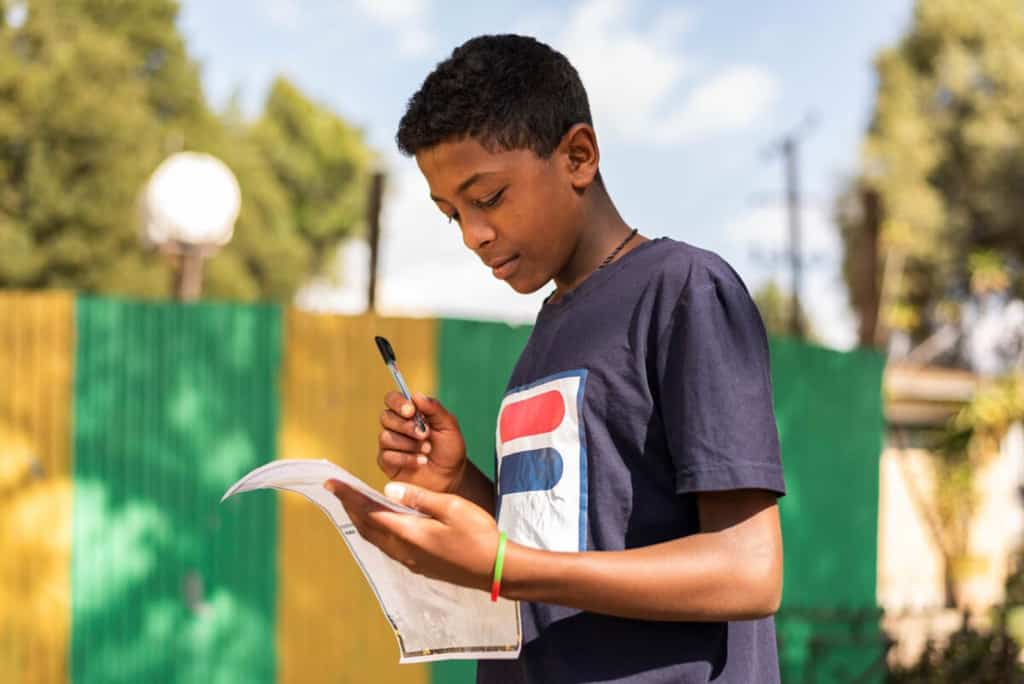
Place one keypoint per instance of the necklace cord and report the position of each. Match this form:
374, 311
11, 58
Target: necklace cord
607, 260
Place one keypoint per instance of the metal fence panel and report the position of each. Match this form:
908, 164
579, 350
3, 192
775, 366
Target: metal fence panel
35, 485
828, 406
172, 404
330, 628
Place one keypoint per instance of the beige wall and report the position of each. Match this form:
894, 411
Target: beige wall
910, 567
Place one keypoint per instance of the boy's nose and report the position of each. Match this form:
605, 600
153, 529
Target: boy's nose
476, 234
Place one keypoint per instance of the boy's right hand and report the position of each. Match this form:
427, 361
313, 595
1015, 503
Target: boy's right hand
433, 460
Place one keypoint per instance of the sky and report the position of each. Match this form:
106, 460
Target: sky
689, 99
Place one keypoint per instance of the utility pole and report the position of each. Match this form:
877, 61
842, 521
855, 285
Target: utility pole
789, 151
373, 206
788, 146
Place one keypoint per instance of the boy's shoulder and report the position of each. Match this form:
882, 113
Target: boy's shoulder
678, 269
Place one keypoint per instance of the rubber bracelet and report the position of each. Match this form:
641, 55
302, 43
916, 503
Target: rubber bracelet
499, 562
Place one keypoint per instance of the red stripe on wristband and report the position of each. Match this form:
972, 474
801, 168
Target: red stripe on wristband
499, 562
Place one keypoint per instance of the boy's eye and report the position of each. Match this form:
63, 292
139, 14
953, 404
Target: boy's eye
491, 201
454, 216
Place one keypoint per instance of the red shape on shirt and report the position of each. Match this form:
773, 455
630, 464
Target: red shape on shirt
533, 416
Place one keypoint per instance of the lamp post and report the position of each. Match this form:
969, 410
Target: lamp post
188, 210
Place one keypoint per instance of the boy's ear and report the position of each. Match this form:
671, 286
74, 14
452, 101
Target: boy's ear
581, 154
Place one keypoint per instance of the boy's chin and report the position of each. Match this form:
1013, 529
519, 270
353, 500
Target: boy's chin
526, 287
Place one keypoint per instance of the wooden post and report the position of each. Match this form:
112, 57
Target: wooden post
189, 274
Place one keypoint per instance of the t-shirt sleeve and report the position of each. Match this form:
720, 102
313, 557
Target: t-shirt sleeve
715, 392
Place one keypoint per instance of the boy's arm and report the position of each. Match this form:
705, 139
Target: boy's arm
731, 570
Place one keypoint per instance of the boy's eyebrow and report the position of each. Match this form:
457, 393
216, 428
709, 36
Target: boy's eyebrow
464, 185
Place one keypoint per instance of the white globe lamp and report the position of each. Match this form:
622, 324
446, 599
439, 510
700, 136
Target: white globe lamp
188, 210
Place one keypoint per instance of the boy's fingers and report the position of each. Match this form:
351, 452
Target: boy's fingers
391, 462
392, 440
392, 421
399, 404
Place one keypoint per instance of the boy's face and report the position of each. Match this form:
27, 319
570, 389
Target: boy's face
519, 213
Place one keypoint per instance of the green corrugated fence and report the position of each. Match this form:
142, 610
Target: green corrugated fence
828, 627
172, 404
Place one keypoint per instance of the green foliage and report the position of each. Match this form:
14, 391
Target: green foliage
993, 408
945, 150
319, 160
972, 436
75, 126
776, 307
93, 95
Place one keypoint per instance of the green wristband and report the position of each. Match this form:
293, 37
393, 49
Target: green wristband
499, 563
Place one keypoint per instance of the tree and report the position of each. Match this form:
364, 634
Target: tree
320, 161
945, 152
93, 95
76, 134
775, 307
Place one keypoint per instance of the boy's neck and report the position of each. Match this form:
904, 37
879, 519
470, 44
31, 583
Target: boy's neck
602, 230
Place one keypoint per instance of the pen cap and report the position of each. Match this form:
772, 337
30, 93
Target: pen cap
385, 349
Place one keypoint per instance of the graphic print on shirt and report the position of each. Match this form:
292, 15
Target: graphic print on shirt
542, 464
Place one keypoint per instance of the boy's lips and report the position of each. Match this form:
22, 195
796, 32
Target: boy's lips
504, 267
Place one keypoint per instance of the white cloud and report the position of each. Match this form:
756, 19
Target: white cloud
407, 18
284, 13
767, 228
394, 11
636, 77
764, 231
732, 99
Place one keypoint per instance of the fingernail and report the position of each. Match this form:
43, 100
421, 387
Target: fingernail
422, 460
425, 447
407, 409
395, 491
329, 486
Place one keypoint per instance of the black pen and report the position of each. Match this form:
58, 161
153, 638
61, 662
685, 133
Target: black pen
388, 355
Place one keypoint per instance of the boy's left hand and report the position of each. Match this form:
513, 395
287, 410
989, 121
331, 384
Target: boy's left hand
457, 543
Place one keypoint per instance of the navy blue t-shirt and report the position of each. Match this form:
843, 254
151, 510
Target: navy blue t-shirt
646, 384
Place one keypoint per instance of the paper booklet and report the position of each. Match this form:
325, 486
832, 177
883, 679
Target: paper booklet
433, 620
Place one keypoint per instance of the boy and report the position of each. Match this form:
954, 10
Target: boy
637, 455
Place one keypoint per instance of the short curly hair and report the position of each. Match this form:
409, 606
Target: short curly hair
507, 91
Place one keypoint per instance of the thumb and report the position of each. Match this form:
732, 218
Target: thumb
433, 504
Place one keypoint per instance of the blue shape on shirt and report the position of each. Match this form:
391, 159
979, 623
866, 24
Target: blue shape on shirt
535, 470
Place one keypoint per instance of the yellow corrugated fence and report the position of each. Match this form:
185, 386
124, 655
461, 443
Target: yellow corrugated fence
36, 358
329, 626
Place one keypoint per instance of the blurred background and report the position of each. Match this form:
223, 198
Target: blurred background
204, 221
